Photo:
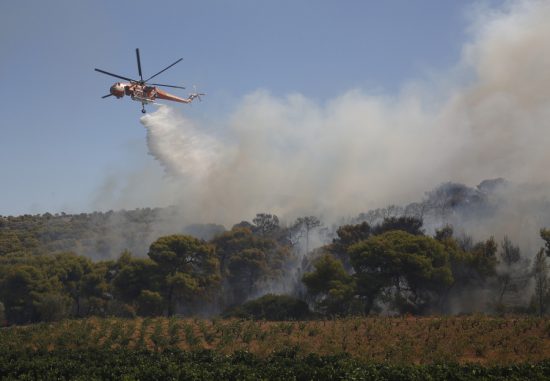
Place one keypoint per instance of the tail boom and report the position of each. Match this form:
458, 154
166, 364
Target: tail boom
169, 97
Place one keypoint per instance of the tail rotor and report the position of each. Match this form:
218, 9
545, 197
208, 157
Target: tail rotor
196, 94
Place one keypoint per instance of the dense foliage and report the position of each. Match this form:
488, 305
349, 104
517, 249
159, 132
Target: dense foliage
392, 266
208, 365
181, 273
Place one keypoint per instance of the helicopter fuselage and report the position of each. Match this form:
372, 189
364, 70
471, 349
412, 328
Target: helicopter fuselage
143, 93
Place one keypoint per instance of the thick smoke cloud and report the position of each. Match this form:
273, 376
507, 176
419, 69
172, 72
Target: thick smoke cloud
488, 117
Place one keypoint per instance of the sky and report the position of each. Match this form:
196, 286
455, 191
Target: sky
60, 142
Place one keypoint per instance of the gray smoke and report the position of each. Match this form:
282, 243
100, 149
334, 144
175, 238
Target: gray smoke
487, 117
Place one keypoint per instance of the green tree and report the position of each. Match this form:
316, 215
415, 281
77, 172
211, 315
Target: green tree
348, 235
133, 276
21, 289
52, 306
246, 261
149, 303
407, 270
331, 287
411, 225
189, 268
473, 265
246, 268
96, 289
70, 269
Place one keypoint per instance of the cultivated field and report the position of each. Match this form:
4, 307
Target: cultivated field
481, 340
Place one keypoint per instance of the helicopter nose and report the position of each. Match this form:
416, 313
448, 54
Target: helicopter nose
117, 90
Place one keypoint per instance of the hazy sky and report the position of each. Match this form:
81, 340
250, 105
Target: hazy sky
60, 141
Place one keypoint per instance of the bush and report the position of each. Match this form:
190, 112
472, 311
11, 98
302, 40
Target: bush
271, 307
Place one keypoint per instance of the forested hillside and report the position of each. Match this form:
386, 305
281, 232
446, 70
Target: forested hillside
94, 235
385, 261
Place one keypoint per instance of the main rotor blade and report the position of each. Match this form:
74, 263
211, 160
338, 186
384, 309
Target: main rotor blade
163, 70
159, 84
139, 64
116, 76
107, 96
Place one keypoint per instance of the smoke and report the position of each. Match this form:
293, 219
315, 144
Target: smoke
487, 117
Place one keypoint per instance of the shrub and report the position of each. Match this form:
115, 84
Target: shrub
271, 307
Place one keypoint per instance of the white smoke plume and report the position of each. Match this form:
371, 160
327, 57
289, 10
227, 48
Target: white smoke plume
488, 117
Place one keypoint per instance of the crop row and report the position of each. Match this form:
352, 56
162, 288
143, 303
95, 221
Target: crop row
208, 365
476, 339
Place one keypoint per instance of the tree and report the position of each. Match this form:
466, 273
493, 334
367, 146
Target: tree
472, 265
149, 303
348, 235
510, 254
417, 210
540, 273
483, 258
411, 225
512, 272
331, 287
306, 225
52, 306
444, 234
9, 242
408, 271
133, 276
21, 289
266, 224
246, 260
189, 268
95, 288
70, 268
246, 267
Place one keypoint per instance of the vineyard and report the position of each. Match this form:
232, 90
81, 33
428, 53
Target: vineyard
482, 340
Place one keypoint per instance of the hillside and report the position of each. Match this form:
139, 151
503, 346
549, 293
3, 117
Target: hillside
98, 235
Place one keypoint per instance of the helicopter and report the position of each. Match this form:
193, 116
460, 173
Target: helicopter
144, 92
